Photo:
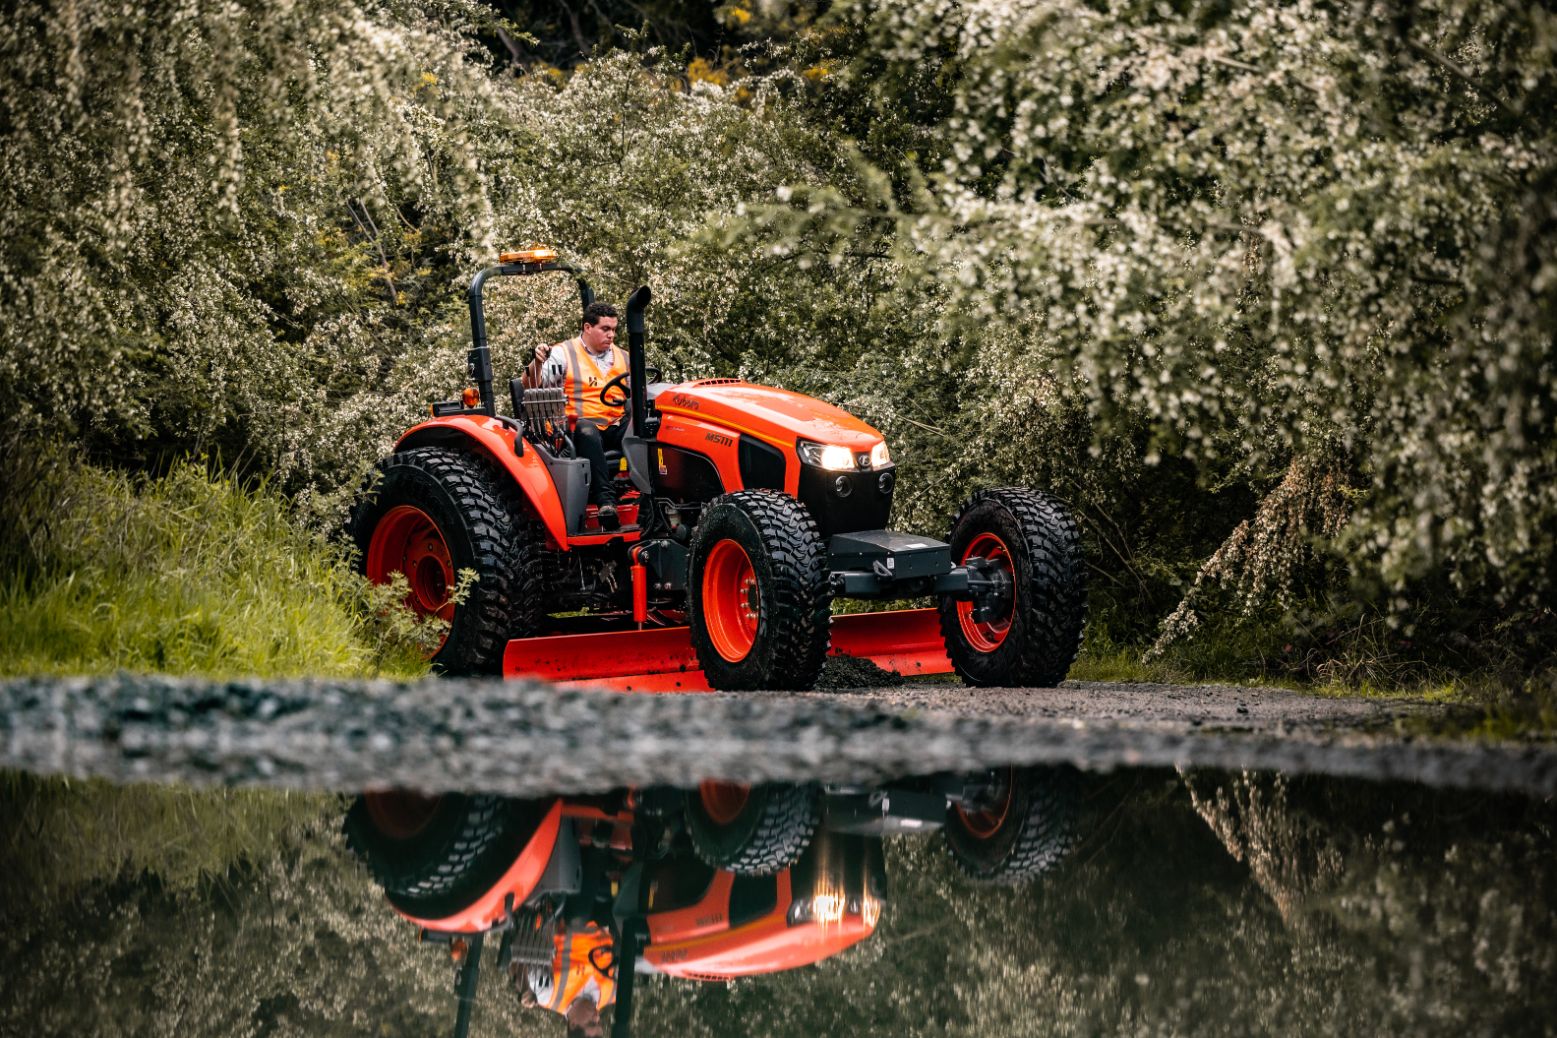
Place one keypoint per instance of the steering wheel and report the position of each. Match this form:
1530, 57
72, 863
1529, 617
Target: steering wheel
650, 374
609, 969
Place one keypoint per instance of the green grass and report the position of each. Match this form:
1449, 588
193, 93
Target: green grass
62, 835
187, 574
1239, 654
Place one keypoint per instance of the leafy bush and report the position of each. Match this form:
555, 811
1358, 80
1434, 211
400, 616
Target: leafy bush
1266, 235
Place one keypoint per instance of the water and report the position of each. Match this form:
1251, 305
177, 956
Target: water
1154, 901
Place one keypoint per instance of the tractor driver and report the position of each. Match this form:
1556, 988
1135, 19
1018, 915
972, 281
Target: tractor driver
582, 366
578, 983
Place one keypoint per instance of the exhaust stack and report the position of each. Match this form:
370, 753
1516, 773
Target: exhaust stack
637, 303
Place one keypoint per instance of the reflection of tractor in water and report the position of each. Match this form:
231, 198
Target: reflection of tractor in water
582, 893
745, 511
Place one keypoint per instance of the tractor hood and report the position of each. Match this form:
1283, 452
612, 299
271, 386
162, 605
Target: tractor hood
775, 415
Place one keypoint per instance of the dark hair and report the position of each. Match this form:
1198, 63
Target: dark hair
594, 311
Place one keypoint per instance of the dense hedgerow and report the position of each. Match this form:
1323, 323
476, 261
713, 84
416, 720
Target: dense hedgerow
1268, 240
250, 231
221, 218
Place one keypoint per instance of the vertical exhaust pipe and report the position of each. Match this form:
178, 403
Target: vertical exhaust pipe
637, 303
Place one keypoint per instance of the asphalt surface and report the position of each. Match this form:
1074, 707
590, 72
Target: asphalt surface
524, 738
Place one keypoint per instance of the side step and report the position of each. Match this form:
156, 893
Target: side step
660, 659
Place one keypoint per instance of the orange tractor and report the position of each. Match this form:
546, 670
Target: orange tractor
583, 893
745, 511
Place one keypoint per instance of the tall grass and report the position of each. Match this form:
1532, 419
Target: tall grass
58, 836
191, 574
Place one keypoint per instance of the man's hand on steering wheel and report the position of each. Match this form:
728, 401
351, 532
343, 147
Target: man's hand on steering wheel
650, 373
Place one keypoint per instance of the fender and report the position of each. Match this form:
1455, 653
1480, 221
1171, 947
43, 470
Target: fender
496, 440
513, 888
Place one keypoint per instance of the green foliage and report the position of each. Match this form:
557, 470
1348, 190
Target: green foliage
219, 218
1261, 233
192, 575
291, 937
62, 836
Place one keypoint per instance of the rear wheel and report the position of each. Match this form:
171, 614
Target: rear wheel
434, 855
1020, 823
752, 830
433, 513
1028, 635
758, 593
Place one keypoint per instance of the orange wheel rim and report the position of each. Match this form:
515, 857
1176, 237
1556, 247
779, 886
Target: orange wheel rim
987, 637
399, 814
730, 603
723, 802
407, 541
985, 823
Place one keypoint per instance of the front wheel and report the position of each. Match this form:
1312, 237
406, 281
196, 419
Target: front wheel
1026, 634
752, 830
1016, 824
759, 597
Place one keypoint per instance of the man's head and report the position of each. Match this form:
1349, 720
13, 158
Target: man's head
599, 326
583, 1019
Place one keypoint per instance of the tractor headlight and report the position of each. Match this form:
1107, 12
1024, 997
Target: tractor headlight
825, 908
880, 456
826, 456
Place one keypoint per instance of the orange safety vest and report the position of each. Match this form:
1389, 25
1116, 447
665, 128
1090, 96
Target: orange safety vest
574, 966
583, 378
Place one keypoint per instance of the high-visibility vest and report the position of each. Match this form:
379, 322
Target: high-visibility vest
574, 968
582, 379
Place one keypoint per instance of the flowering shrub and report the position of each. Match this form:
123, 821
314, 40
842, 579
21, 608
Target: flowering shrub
1266, 232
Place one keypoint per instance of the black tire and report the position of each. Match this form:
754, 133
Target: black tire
1025, 829
785, 640
478, 514
1036, 641
764, 834
435, 855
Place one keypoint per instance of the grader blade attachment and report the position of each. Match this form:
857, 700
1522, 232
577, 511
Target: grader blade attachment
660, 659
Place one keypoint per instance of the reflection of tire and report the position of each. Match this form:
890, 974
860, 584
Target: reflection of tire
1024, 826
752, 830
759, 597
435, 855
433, 513
1033, 636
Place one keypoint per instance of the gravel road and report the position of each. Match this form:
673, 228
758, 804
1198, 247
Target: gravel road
523, 738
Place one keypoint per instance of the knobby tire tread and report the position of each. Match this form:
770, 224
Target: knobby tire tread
1051, 612
448, 865
787, 817
485, 511
793, 642
1040, 837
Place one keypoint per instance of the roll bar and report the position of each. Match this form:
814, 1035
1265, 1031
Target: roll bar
478, 362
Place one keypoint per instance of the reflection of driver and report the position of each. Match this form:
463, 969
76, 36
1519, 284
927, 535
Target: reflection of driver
582, 366
578, 983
